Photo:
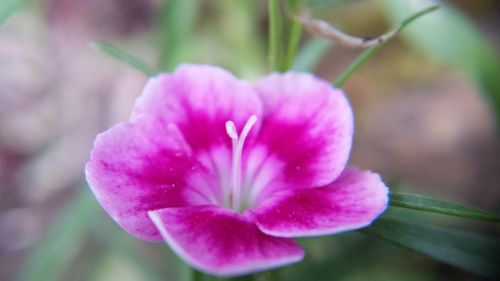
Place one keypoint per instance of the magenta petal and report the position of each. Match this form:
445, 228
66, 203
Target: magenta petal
199, 99
222, 242
352, 201
308, 125
141, 166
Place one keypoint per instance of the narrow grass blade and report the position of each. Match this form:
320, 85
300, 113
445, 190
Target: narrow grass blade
124, 57
471, 252
422, 203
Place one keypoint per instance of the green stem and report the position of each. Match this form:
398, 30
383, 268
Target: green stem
368, 53
275, 35
415, 16
294, 36
355, 65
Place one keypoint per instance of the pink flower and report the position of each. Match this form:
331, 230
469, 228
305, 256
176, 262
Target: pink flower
226, 171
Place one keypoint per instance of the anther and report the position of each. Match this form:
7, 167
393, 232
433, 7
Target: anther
231, 130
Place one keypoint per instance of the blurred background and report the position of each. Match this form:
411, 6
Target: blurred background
425, 119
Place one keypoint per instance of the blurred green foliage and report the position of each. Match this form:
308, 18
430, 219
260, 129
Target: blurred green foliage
450, 36
7, 7
64, 239
177, 21
310, 54
83, 225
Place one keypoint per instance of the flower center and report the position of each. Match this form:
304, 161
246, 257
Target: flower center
237, 149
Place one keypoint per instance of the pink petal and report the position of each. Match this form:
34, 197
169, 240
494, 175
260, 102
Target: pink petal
139, 166
352, 201
222, 242
308, 125
199, 99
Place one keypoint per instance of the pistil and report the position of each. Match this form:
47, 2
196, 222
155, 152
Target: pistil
237, 150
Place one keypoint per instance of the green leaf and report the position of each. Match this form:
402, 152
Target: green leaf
368, 53
418, 202
63, 241
310, 54
472, 252
8, 7
450, 36
124, 57
275, 35
178, 19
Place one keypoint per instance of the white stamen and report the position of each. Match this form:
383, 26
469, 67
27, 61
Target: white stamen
231, 130
237, 150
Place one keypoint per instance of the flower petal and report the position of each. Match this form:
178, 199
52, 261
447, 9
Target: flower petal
222, 242
352, 201
308, 125
139, 166
199, 99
